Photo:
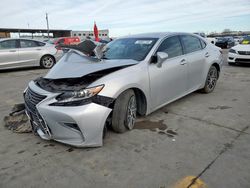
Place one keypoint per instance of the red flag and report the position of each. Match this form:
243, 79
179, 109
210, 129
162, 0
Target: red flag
96, 33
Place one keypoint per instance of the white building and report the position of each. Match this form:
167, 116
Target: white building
103, 34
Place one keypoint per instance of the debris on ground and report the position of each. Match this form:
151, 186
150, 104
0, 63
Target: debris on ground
17, 120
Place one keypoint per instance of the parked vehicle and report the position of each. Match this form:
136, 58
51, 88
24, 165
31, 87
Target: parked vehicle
25, 52
212, 40
237, 40
225, 42
240, 53
67, 41
135, 75
245, 40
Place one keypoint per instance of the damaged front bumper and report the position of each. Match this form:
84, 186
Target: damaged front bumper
80, 126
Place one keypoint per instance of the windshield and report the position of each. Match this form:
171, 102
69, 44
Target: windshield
129, 48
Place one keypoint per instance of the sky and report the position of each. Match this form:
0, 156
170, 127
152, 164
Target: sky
123, 17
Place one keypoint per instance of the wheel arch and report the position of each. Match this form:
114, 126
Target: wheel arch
141, 99
217, 66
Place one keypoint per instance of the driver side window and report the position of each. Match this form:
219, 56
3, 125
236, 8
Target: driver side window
172, 46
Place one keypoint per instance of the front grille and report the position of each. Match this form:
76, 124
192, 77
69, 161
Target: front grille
240, 60
244, 52
31, 100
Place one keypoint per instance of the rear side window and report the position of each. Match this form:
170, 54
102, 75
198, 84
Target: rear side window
8, 44
28, 43
172, 46
40, 44
191, 43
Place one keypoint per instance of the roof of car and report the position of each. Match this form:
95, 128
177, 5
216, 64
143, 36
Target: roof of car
17, 38
3, 39
154, 35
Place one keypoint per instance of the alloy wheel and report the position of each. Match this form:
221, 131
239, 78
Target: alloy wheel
48, 62
212, 79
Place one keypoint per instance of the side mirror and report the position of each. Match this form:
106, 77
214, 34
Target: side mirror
161, 57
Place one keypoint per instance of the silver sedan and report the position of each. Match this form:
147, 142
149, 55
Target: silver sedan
133, 76
16, 53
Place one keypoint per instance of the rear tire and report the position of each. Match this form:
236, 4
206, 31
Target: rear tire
47, 61
124, 112
211, 80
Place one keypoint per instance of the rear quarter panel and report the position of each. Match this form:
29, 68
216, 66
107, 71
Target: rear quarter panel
48, 49
214, 57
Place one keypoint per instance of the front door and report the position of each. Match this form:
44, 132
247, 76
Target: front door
168, 82
8, 53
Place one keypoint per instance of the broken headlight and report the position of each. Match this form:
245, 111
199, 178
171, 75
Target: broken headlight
75, 98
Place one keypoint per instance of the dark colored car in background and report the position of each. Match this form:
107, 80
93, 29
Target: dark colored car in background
225, 42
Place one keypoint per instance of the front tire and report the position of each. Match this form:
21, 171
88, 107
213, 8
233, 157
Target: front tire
211, 80
47, 61
124, 112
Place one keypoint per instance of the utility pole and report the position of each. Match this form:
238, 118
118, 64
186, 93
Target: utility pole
47, 20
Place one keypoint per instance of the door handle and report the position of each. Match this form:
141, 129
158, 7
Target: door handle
12, 51
183, 62
207, 54
38, 49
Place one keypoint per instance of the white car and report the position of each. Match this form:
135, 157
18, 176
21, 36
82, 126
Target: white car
16, 53
239, 53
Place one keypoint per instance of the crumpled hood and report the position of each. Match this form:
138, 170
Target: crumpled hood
74, 65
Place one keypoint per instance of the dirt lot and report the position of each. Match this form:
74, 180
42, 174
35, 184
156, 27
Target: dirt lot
212, 143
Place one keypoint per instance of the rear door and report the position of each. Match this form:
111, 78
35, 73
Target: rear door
29, 52
168, 82
195, 56
8, 53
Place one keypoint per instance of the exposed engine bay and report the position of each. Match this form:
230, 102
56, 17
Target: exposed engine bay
71, 84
